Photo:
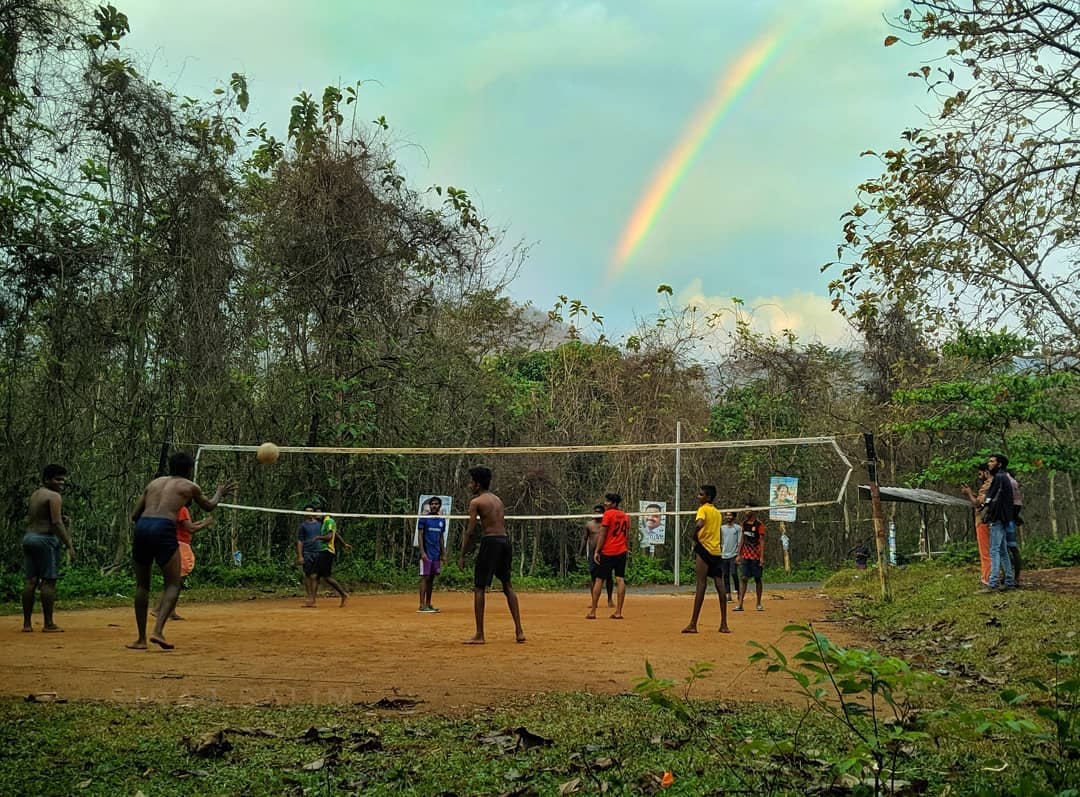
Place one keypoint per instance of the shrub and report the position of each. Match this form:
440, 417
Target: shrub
1053, 553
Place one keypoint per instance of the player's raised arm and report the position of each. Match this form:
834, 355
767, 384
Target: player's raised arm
209, 504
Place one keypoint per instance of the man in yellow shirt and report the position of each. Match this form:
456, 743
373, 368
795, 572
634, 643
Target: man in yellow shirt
707, 549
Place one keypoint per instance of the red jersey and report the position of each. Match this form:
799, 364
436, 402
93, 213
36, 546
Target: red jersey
617, 524
752, 540
182, 533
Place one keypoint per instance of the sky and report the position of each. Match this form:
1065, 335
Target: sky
709, 145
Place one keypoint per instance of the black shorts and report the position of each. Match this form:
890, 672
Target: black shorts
324, 566
155, 541
751, 568
611, 565
311, 563
492, 561
713, 561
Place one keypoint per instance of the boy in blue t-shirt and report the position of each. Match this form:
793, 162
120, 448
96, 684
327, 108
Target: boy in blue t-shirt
430, 529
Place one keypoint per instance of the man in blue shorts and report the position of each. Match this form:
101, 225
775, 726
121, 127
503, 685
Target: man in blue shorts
155, 540
307, 553
430, 529
46, 532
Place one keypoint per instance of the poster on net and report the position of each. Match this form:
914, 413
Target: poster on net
783, 495
652, 524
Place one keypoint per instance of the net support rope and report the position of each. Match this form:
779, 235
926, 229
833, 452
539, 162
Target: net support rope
583, 449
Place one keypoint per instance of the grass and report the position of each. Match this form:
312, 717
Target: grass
101, 749
937, 621
589, 744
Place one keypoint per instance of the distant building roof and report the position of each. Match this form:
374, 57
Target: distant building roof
913, 496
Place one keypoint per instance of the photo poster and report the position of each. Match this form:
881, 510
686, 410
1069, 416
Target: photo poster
652, 523
783, 495
423, 507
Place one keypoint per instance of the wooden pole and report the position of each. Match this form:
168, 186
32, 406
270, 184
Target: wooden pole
879, 520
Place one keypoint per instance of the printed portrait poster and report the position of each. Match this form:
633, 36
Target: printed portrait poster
653, 522
423, 509
783, 495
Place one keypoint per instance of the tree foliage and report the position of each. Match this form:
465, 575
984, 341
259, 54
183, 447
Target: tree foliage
974, 217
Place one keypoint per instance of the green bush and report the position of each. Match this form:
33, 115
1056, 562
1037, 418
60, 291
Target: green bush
957, 554
643, 569
1053, 553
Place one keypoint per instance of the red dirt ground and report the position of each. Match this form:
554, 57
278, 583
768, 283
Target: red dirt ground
377, 646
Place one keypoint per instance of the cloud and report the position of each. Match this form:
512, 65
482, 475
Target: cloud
808, 315
534, 36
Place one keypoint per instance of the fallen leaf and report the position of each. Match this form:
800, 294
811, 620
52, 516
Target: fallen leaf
84, 784
315, 765
189, 773
570, 787
392, 703
209, 745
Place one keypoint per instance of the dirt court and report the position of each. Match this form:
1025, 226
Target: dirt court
268, 652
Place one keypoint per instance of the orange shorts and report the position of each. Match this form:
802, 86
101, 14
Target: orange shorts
187, 559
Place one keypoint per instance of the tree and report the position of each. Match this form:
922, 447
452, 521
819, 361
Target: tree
975, 218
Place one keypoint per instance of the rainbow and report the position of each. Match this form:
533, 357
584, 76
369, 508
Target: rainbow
731, 85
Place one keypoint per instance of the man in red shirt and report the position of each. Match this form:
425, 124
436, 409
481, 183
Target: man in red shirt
610, 556
752, 556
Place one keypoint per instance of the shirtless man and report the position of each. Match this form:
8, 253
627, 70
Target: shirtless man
46, 530
494, 557
155, 540
593, 527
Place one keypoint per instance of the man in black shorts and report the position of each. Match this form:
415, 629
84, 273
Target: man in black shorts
611, 553
494, 557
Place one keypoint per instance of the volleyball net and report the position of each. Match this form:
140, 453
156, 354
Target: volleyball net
491, 453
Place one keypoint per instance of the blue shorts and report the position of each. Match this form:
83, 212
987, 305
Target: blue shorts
155, 541
41, 556
751, 568
311, 563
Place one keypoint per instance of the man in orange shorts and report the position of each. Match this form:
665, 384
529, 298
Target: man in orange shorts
184, 529
982, 530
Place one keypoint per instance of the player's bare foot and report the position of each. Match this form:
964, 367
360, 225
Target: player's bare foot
307, 605
176, 617
27, 629
153, 612
519, 637
343, 599
611, 604
725, 630
591, 615
616, 617
52, 629
138, 644
159, 640
474, 640
690, 629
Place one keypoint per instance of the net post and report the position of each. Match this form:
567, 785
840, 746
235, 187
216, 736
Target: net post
678, 492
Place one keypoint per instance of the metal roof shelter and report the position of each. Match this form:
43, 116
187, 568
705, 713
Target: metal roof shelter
910, 495
922, 498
